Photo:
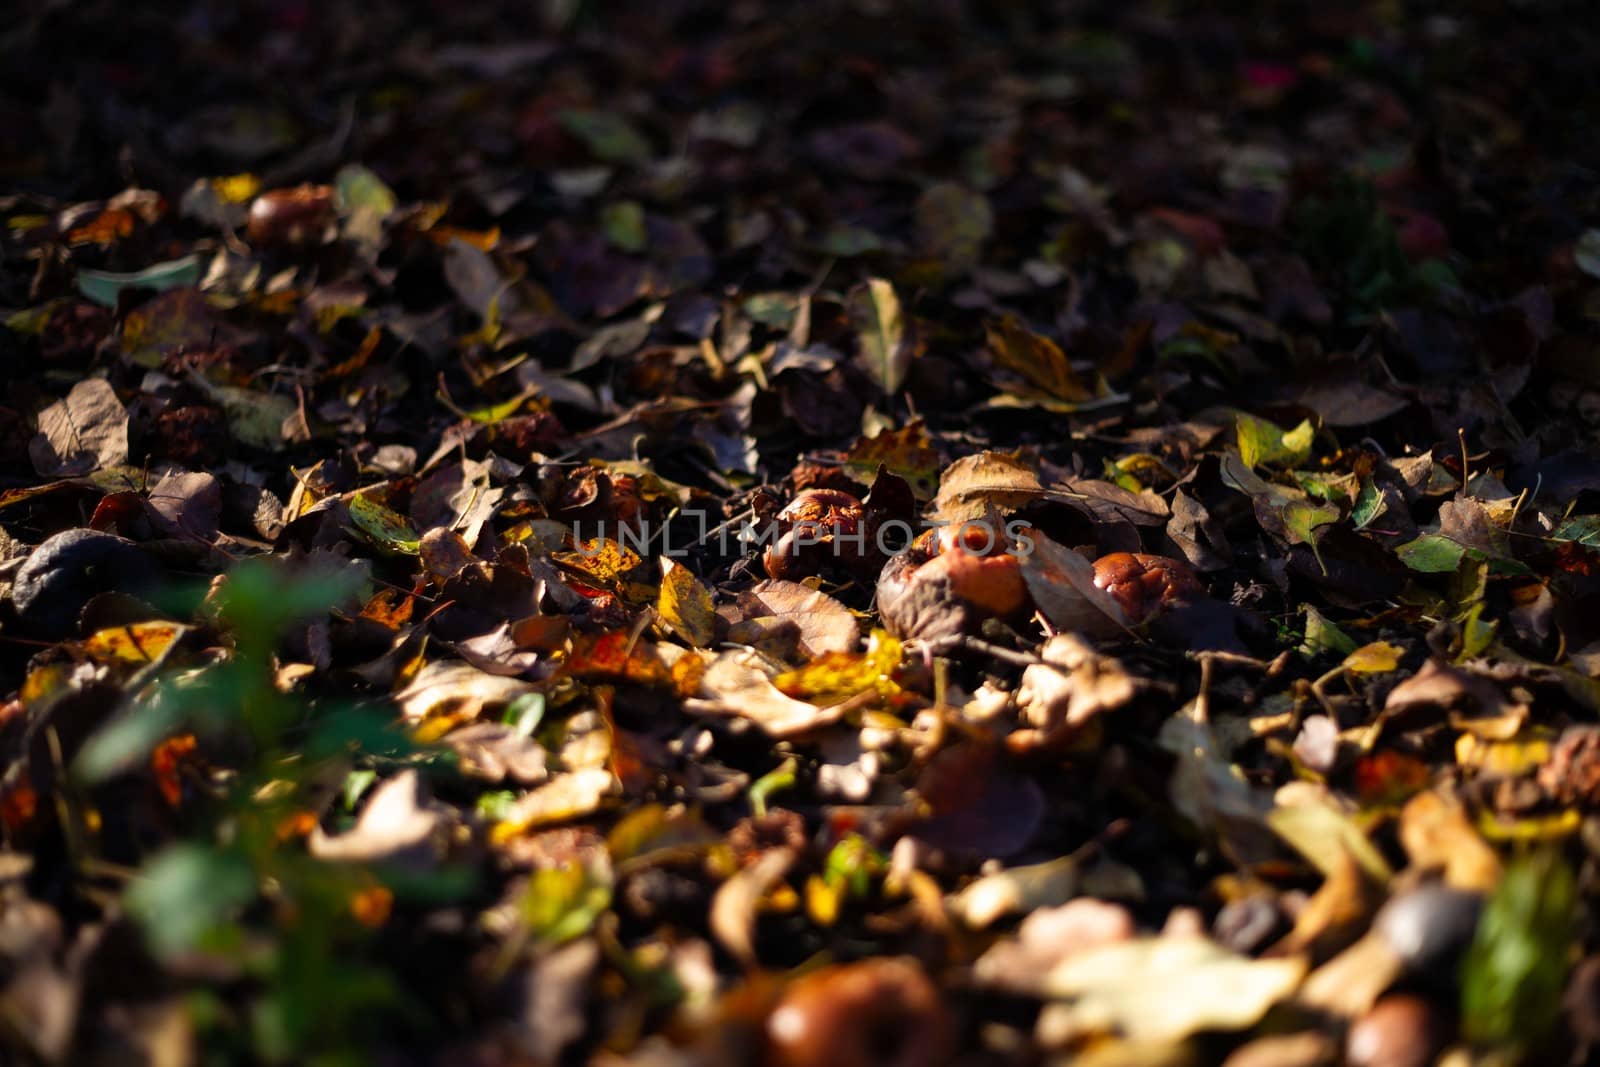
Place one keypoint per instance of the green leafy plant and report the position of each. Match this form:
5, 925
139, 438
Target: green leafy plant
1514, 972
244, 890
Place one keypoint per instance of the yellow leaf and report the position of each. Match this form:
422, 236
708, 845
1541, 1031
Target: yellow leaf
685, 605
138, 643
908, 452
236, 188
1263, 441
1037, 359
839, 676
607, 564
1376, 658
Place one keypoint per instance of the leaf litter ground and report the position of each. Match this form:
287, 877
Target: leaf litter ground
458, 466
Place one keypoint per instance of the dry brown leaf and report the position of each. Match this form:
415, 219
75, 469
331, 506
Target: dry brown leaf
733, 909
739, 684
82, 433
1062, 584
1436, 834
1073, 685
396, 824
973, 485
565, 797
457, 690
1166, 988
820, 623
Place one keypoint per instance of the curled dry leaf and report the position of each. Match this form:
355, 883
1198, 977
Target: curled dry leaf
1437, 836
974, 485
776, 610
494, 752
1049, 936
1063, 586
567, 796
396, 825
456, 690
1166, 988
739, 683
1073, 685
1016, 889
685, 604
733, 909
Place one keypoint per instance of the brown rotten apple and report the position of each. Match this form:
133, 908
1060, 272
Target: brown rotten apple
949, 580
875, 1013
1143, 584
292, 218
823, 531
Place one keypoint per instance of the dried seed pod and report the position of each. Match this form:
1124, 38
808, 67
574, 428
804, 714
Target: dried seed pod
292, 218
63, 573
1143, 584
823, 531
949, 580
875, 1013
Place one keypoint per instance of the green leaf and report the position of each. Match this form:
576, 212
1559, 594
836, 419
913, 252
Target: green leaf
355, 784
623, 225
1300, 521
881, 333
366, 203
1262, 441
952, 224
358, 189
1431, 554
186, 893
1323, 636
254, 418
103, 286
1584, 529
1515, 970
562, 903
606, 134
525, 713
848, 241
497, 806
1370, 503
852, 864
388, 529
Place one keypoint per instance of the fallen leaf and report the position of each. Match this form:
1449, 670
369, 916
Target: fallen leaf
882, 351
456, 691
685, 605
1038, 360
85, 432
104, 286
1072, 686
1166, 988
396, 825
567, 796
1062, 585
973, 485
733, 908
821, 624
739, 684
1016, 890
1437, 835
